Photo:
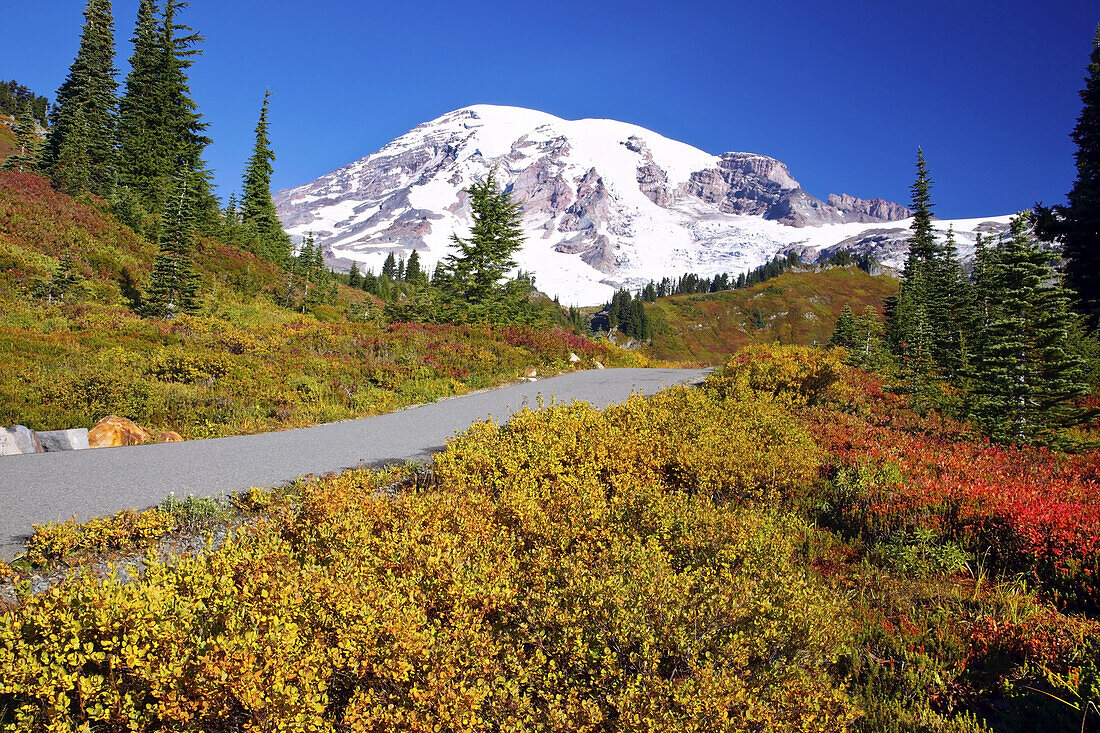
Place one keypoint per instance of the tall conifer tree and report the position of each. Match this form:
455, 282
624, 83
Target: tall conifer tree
1077, 224
1027, 377
82, 126
257, 208
473, 273
173, 283
143, 157
929, 316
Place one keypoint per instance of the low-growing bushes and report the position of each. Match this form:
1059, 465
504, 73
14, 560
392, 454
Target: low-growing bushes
556, 575
648, 567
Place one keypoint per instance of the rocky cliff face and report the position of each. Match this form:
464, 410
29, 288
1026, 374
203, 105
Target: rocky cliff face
605, 204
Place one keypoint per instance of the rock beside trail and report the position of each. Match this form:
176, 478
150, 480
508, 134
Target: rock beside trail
18, 439
110, 432
7, 444
114, 431
573, 358
60, 440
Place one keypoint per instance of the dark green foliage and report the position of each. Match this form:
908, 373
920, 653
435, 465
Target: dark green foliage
79, 154
389, 267
27, 145
173, 283
1028, 377
71, 167
257, 208
932, 313
14, 97
144, 160
413, 273
1077, 224
160, 129
627, 314
470, 278
354, 278
844, 334
756, 318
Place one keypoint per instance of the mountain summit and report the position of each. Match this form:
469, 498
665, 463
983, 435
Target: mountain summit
605, 203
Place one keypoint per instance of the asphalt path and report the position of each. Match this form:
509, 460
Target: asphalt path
44, 487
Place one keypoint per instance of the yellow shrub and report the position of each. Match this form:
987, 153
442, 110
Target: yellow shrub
127, 530
571, 571
796, 375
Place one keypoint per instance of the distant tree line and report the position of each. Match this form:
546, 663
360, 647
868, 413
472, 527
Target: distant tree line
15, 97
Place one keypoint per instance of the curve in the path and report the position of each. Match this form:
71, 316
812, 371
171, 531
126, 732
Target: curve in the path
45, 487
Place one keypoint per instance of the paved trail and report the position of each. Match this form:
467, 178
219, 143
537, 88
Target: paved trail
54, 486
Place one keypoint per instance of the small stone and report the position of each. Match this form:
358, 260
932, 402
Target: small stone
599, 365
61, 440
573, 358
532, 372
169, 436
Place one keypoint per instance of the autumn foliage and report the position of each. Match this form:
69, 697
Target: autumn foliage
787, 548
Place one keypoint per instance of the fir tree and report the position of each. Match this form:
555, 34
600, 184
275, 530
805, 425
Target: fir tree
173, 283
232, 212
144, 158
400, 277
928, 317
1027, 378
257, 208
1077, 224
27, 144
82, 126
389, 267
473, 273
354, 278
844, 333
71, 167
413, 273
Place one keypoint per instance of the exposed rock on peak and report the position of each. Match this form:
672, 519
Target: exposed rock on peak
605, 204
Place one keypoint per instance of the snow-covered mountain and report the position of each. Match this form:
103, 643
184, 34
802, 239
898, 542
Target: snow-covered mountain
605, 204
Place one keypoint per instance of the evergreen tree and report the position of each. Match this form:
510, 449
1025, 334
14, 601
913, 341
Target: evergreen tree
400, 270
1027, 377
173, 283
1077, 224
354, 278
257, 208
413, 273
474, 272
27, 144
844, 333
232, 210
144, 158
929, 316
370, 282
71, 167
82, 126
389, 267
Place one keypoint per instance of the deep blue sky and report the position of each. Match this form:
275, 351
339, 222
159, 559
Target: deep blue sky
842, 92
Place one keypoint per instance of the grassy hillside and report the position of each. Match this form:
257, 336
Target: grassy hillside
7, 140
795, 308
244, 363
788, 548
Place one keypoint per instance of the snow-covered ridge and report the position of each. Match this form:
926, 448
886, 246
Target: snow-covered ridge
605, 203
